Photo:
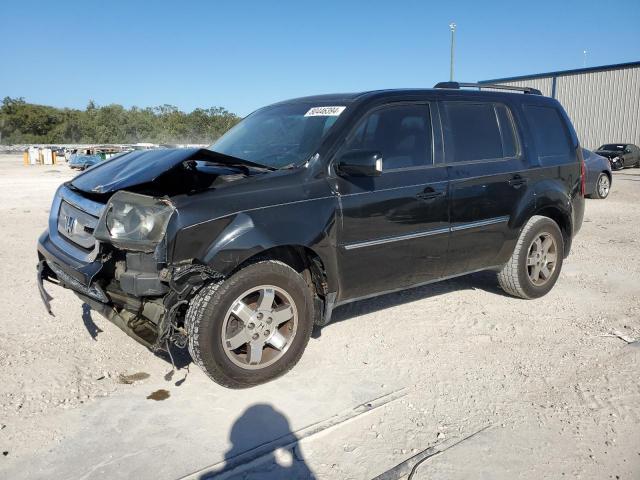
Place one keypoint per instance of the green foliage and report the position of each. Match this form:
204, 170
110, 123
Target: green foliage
22, 122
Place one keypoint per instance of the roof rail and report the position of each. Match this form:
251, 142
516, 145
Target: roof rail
458, 85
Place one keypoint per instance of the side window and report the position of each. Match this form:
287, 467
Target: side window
479, 131
549, 131
507, 131
401, 133
474, 134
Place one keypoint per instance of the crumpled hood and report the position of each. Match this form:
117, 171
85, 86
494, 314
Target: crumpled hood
609, 153
140, 168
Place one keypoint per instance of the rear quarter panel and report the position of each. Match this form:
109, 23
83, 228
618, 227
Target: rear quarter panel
555, 180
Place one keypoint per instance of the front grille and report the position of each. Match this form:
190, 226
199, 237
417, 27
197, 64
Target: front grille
72, 221
77, 226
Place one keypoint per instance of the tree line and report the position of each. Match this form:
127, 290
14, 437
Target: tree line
22, 122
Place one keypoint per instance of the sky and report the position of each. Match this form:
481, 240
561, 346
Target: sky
242, 55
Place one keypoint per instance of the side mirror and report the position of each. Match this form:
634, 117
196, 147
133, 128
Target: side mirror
360, 163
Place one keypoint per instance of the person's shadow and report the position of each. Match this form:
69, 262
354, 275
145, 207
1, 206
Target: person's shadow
262, 447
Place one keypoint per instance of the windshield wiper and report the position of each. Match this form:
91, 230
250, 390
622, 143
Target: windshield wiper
288, 166
225, 159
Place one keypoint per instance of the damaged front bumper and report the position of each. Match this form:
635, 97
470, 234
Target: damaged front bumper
130, 289
58, 267
94, 282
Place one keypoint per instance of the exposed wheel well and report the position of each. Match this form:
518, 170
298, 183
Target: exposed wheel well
302, 259
563, 221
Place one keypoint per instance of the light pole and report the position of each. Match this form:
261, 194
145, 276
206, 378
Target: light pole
584, 59
452, 27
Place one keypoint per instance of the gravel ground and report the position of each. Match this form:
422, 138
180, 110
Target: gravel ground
457, 375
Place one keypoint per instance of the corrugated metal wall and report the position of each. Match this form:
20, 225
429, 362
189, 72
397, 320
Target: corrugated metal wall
604, 106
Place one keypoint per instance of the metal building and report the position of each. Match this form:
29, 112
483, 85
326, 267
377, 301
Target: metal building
603, 102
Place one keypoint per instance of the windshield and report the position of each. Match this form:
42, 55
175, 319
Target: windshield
279, 135
612, 147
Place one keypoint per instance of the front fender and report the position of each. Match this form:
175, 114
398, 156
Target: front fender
225, 243
239, 241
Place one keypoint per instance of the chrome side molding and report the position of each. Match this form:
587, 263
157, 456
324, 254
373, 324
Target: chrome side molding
427, 233
480, 223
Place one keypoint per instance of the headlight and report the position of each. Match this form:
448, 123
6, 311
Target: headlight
134, 222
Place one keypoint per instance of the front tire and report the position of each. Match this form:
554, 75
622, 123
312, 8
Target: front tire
253, 326
535, 264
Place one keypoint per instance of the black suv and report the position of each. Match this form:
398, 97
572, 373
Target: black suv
238, 250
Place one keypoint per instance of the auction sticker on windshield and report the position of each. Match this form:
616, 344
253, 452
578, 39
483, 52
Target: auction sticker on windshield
324, 111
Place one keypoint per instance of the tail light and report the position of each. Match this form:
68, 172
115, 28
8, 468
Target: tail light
583, 173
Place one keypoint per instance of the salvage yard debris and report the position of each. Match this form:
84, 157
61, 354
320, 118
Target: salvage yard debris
621, 336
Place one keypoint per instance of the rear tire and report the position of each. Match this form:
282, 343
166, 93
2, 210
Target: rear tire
603, 186
535, 264
214, 327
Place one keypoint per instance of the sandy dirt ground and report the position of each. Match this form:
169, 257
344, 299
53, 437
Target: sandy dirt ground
453, 381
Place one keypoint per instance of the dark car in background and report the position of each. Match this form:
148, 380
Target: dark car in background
620, 155
238, 250
598, 179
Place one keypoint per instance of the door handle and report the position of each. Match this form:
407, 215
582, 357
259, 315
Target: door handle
429, 194
517, 181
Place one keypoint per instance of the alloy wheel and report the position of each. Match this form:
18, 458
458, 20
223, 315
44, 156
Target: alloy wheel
542, 258
603, 186
259, 327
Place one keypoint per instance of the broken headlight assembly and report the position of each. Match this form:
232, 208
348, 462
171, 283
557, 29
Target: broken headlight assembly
134, 222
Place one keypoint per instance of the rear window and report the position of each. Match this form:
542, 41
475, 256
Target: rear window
479, 131
549, 131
